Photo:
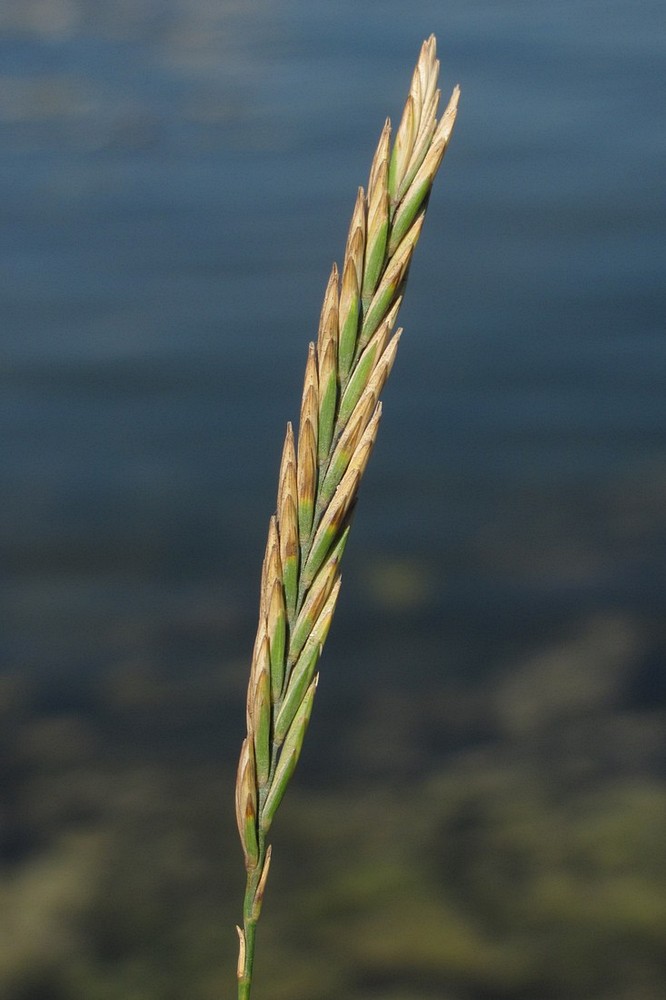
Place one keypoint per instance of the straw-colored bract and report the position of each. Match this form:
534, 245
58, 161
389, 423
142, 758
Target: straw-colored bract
320, 473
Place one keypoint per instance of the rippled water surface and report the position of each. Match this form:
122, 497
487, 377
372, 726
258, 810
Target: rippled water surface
479, 811
175, 180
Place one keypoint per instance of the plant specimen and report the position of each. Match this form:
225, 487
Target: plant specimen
321, 470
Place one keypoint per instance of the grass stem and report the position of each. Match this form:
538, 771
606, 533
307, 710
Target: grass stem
321, 470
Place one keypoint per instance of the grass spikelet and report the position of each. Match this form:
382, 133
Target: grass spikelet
246, 806
378, 215
304, 668
287, 517
320, 474
350, 310
365, 365
306, 470
327, 356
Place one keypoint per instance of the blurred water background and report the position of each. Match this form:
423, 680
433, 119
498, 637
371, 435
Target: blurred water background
481, 810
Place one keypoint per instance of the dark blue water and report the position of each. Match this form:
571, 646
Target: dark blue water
175, 180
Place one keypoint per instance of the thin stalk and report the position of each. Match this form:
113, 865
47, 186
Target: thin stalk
247, 952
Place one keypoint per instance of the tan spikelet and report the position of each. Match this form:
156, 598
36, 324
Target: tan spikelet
306, 473
328, 320
355, 248
287, 518
379, 163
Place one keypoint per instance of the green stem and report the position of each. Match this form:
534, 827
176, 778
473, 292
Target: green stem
250, 917
254, 894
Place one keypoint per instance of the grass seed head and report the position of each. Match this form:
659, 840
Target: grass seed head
320, 474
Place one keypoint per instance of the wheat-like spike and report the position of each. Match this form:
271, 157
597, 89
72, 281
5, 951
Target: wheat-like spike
320, 475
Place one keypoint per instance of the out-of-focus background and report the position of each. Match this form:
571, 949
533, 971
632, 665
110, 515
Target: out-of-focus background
480, 813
